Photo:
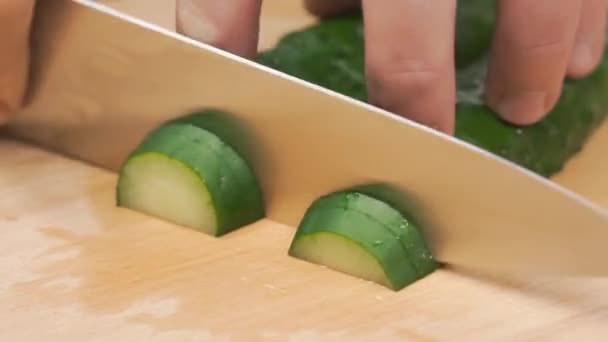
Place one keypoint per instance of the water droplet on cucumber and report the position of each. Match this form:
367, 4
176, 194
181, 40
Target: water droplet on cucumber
352, 195
377, 243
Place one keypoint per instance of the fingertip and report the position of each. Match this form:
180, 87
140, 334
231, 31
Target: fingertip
529, 58
523, 108
590, 39
447, 126
582, 62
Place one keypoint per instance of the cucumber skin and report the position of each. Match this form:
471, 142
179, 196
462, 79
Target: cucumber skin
236, 149
371, 236
403, 229
223, 125
182, 142
331, 54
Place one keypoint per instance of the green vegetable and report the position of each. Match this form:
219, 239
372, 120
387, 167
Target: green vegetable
331, 54
365, 237
185, 174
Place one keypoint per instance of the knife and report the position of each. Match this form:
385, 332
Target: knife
101, 80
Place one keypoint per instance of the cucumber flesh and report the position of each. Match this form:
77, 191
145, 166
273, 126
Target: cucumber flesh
160, 186
340, 253
187, 175
357, 240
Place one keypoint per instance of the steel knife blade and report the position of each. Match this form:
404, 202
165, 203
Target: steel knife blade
101, 80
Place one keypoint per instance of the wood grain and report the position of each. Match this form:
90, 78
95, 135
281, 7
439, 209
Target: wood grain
73, 267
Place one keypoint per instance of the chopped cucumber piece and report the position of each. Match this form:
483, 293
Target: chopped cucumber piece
362, 236
222, 124
159, 185
185, 174
341, 253
402, 228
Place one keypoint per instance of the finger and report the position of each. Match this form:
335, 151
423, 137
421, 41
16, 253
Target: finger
532, 45
324, 8
15, 20
589, 41
410, 59
231, 25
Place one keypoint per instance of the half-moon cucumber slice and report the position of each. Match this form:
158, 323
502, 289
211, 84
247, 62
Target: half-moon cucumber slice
185, 174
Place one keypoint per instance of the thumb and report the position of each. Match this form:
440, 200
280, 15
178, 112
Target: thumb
15, 20
231, 25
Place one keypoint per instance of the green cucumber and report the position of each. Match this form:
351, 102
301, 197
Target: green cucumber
474, 30
362, 236
331, 54
223, 125
402, 228
186, 175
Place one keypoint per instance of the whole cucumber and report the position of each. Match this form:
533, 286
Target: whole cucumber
331, 54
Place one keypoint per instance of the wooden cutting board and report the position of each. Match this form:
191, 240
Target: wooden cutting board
75, 268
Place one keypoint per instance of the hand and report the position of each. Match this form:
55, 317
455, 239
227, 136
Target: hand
409, 50
15, 19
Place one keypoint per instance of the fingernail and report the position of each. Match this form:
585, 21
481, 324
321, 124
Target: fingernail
581, 61
193, 22
524, 108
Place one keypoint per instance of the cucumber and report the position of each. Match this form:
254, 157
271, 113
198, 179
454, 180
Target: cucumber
331, 54
474, 30
403, 229
362, 236
223, 125
186, 175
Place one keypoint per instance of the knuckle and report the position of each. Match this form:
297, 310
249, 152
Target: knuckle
406, 75
548, 47
548, 39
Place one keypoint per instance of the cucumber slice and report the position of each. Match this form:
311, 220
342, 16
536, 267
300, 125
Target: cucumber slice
402, 228
222, 124
358, 235
187, 175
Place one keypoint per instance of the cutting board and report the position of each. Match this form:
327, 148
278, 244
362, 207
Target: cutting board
73, 267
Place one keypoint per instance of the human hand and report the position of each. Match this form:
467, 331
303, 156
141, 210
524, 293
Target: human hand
410, 56
15, 20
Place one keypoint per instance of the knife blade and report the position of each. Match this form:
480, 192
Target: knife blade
101, 80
